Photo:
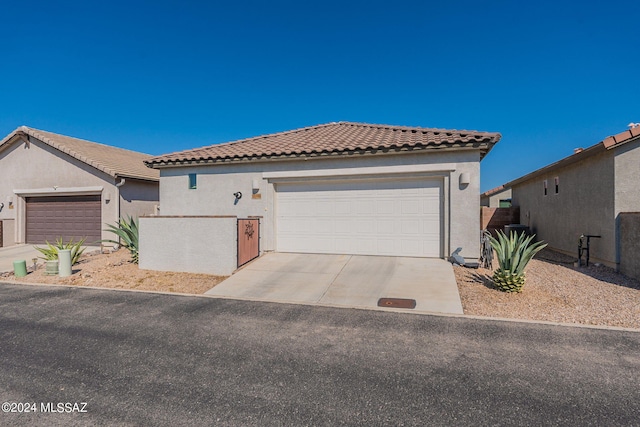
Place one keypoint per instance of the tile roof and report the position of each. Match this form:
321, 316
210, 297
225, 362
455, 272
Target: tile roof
116, 162
621, 138
579, 154
496, 190
331, 139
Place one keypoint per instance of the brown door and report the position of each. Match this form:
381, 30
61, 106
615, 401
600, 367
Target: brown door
248, 240
69, 217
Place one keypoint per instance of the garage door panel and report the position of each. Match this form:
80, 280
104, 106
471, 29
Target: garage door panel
324, 209
410, 227
385, 207
365, 226
342, 207
324, 226
411, 247
364, 207
386, 227
69, 217
342, 245
342, 225
377, 218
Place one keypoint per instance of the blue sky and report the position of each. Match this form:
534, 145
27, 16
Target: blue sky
165, 76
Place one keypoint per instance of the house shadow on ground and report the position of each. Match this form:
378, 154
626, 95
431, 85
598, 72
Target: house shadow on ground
594, 270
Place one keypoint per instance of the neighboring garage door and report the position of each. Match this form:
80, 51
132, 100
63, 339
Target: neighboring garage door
77, 217
393, 217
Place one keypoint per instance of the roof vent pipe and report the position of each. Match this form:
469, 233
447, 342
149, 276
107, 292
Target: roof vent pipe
578, 150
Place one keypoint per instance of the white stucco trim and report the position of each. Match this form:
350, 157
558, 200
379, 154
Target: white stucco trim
60, 191
350, 172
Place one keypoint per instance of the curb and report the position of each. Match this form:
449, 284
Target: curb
382, 309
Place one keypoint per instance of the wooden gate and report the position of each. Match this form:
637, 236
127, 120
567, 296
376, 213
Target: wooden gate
248, 240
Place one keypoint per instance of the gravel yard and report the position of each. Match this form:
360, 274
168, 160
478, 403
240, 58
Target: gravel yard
115, 270
555, 291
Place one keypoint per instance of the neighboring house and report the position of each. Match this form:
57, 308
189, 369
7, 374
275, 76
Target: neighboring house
338, 188
56, 186
496, 211
584, 193
499, 197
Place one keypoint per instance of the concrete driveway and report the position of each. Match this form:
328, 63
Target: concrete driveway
15, 253
345, 280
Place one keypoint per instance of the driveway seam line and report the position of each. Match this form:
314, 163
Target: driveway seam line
334, 279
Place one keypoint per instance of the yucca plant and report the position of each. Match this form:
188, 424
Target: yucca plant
127, 232
51, 251
513, 253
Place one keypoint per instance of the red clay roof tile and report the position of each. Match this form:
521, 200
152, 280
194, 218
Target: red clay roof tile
342, 137
621, 138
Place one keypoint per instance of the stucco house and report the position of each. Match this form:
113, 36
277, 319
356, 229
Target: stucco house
337, 188
54, 186
499, 197
585, 193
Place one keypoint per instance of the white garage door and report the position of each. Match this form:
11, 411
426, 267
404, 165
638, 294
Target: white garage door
397, 218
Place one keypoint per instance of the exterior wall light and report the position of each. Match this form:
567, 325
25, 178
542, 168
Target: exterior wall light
465, 178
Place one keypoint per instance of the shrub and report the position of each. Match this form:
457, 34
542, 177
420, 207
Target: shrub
127, 232
51, 251
513, 253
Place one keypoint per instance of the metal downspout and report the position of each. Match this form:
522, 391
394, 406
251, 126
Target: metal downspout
118, 185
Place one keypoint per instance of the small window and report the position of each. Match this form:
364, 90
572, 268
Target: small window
545, 186
556, 182
505, 203
193, 183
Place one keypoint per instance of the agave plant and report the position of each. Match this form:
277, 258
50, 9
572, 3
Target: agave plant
513, 253
50, 253
127, 232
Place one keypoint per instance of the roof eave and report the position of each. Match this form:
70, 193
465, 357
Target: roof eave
574, 158
622, 138
24, 133
483, 147
137, 177
17, 134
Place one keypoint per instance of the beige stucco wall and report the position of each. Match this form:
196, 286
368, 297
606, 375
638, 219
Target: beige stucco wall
629, 243
584, 205
138, 198
627, 188
197, 245
216, 185
36, 169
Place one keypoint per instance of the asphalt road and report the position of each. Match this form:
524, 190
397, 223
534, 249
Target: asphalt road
150, 359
